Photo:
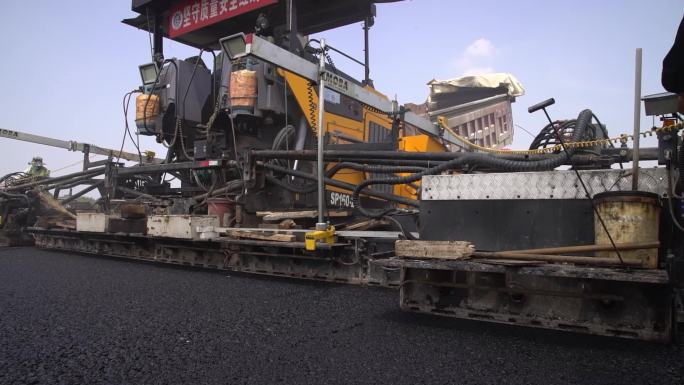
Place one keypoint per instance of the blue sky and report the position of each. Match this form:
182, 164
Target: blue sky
64, 73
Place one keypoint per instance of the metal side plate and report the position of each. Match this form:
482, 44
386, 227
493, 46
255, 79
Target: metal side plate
539, 185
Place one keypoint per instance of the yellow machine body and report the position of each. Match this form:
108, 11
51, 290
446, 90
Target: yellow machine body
340, 127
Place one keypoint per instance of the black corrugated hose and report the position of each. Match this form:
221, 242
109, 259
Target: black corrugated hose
340, 166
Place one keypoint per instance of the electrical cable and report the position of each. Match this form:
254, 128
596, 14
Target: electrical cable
680, 165
604, 130
235, 151
126, 106
524, 129
149, 32
670, 192
126, 103
123, 140
147, 102
312, 107
605, 135
214, 94
407, 234
52, 172
287, 120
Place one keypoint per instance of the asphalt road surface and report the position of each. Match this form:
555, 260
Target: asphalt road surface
73, 319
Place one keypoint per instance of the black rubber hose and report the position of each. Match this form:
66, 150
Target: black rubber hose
340, 166
548, 163
680, 164
281, 136
398, 180
375, 168
11, 175
343, 185
406, 234
603, 129
479, 159
16, 196
306, 189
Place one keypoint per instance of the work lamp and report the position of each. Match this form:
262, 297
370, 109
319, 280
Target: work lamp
148, 73
235, 46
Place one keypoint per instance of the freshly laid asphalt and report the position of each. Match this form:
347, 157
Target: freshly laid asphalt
73, 319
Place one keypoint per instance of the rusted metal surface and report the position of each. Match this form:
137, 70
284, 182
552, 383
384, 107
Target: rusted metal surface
130, 210
92, 222
179, 226
655, 276
124, 225
610, 303
629, 216
589, 248
433, 249
596, 261
282, 259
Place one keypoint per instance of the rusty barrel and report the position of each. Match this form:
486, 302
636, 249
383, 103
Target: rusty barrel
223, 208
630, 217
146, 112
243, 89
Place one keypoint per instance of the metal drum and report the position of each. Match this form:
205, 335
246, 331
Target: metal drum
630, 217
146, 111
223, 208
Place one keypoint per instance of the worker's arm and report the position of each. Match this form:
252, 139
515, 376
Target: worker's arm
673, 67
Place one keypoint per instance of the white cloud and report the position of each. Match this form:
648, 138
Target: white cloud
475, 59
480, 48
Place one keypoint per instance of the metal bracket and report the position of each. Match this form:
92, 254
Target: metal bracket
313, 237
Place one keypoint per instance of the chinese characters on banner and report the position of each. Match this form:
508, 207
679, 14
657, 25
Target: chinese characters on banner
190, 15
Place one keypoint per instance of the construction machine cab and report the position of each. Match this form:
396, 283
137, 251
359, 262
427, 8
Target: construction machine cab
201, 23
185, 94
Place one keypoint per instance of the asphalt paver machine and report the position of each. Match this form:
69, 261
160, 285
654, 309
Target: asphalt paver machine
281, 163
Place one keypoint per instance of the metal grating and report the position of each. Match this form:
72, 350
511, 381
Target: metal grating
379, 134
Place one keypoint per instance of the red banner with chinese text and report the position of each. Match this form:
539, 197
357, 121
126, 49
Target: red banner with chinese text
190, 15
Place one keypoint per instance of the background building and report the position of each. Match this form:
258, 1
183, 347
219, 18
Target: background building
476, 107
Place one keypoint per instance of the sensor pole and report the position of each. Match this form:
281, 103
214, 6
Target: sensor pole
321, 225
637, 120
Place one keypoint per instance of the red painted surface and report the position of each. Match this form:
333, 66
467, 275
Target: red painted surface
190, 15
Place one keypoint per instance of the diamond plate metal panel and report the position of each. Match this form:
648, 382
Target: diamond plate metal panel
539, 185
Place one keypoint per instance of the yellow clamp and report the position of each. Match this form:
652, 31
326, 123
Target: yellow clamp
313, 237
149, 154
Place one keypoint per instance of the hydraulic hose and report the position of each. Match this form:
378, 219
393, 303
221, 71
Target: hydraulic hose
10, 175
375, 169
16, 196
680, 164
398, 180
340, 166
340, 184
306, 189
